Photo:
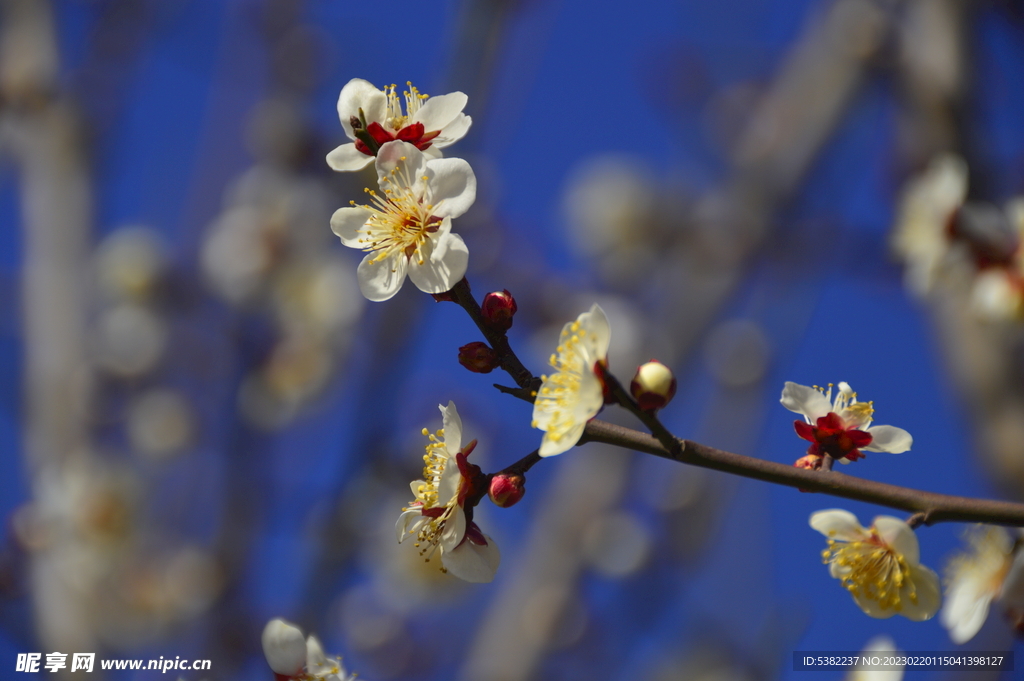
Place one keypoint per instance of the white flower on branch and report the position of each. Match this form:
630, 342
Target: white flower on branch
574, 394
294, 658
441, 513
879, 565
407, 227
989, 571
372, 118
841, 428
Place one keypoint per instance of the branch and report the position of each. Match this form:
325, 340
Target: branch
935, 508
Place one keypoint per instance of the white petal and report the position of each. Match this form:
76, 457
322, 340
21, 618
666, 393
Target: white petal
437, 112
360, 94
409, 523
346, 223
381, 280
888, 439
284, 647
898, 535
452, 132
347, 157
473, 563
838, 524
805, 401
550, 447
452, 186
451, 422
409, 161
454, 530
451, 480
872, 608
966, 607
598, 332
440, 273
929, 595
315, 658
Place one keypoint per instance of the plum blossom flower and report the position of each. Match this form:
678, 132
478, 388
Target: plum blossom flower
991, 570
441, 513
573, 395
407, 227
840, 428
880, 646
294, 658
372, 118
922, 233
879, 565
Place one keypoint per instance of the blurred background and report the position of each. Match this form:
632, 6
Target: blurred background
204, 425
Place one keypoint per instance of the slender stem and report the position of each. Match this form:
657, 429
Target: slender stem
827, 462
935, 508
524, 464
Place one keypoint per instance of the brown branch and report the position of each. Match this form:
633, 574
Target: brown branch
935, 508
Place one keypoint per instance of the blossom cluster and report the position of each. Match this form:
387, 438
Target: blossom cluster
294, 658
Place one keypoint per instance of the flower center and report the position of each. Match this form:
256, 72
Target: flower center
402, 220
396, 123
873, 571
395, 119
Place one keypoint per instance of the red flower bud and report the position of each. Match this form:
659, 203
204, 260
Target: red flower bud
506, 490
478, 357
498, 309
653, 386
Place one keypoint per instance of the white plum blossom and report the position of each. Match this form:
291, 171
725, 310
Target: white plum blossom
428, 123
929, 202
841, 428
879, 566
407, 227
989, 571
440, 514
879, 646
574, 394
297, 659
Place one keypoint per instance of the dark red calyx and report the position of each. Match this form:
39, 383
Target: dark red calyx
830, 435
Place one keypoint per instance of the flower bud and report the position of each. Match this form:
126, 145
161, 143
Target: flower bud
498, 309
653, 386
506, 490
478, 357
810, 462
284, 647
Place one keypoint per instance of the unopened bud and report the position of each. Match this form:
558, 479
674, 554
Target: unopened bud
810, 462
498, 309
653, 386
478, 357
506, 490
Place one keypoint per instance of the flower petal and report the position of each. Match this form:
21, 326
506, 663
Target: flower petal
315, 658
360, 94
889, 439
437, 112
284, 647
409, 522
473, 563
966, 607
898, 535
550, 446
452, 186
838, 524
598, 332
1012, 592
871, 607
347, 157
347, 223
453, 132
443, 266
925, 585
402, 160
454, 528
804, 400
451, 422
381, 280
